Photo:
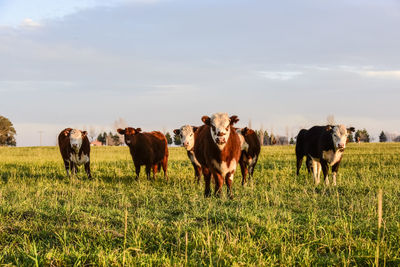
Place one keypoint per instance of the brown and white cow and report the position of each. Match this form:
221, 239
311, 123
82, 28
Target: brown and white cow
323, 146
218, 148
188, 135
250, 152
75, 150
147, 148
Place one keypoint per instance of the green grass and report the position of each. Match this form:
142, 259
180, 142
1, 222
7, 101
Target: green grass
277, 219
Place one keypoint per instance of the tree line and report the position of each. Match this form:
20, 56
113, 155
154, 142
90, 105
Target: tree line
8, 132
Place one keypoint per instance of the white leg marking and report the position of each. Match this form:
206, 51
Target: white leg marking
315, 172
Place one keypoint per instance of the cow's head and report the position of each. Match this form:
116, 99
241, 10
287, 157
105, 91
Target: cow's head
220, 127
186, 133
75, 138
128, 133
339, 135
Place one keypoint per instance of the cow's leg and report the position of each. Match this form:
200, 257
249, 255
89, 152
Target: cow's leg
244, 170
66, 165
251, 168
315, 171
87, 169
325, 171
155, 167
219, 182
165, 166
73, 168
309, 164
207, 180
298, 163
197, 172
228, 180
335, 169
137, 170
148, 169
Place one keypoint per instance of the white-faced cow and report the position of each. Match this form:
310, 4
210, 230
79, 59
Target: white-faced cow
323, 146
75, 150
147, 148
250, 145
188, 135
217, 148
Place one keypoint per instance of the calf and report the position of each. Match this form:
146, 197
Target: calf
217, 148
149, 149
75, 150
188, 135
250, 151
324, 147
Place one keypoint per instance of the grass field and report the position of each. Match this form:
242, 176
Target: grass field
277, 219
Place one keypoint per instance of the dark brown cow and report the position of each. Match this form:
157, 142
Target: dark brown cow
217, 148
250, 153
149, 149
75, 150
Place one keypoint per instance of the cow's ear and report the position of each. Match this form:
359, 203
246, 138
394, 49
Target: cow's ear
206, 120
121, 131
351, 129
66, 132
195, 128
177, 131
234, 119
244, 130
138, 130
328, 128
84, 133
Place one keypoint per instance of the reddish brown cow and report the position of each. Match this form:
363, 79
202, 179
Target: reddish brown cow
217, 148
149, 149
75, 150
250, 153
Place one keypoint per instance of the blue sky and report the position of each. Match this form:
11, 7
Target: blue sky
161, 64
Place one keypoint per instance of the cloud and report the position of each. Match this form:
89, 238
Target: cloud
29, 23
279, 75
383, 74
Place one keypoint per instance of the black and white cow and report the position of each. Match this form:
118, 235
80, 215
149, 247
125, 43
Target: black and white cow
187, 134
323, 146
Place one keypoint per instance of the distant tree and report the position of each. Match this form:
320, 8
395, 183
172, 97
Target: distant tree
169, 138
362, 136
7, 132
382, 137
102, 138
177, 139
396, 139
116, 141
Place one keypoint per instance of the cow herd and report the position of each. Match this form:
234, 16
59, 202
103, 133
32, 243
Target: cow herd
214, 149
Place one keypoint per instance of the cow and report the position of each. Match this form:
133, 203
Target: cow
250, 146
147, 148
75, 150
323, 146
217, 148
188, 135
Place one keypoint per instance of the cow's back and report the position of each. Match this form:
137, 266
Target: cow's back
149, 148
202, 138
252, 140
316, 139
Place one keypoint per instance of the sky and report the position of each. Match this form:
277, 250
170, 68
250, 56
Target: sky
159, 64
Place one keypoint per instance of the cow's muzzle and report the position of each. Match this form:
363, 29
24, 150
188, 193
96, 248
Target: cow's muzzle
220, 140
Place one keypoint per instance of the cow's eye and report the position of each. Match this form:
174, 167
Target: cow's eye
213, 127
227, 128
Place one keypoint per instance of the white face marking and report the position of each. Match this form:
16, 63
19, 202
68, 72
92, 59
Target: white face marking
332, 157
75, 139
224, 169
79, 161
339, 136
220, 129
187, 137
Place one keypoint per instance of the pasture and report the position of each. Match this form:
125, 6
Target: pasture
277, 219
